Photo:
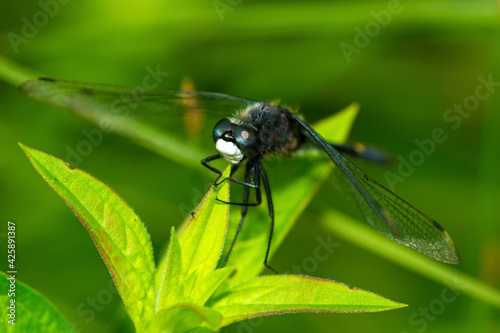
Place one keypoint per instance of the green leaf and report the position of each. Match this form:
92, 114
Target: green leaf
118, 233
364, 236
186, 317
187, 272
336, 128
202, 242
33, 312
293, 185
169, 284
283, 294
209, 284
202, 239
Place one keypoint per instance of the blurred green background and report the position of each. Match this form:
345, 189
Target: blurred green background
426, 59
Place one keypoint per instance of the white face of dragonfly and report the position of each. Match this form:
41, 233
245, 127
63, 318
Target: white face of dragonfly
229, 151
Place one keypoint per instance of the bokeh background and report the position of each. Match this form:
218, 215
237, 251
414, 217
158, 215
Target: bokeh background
425, 58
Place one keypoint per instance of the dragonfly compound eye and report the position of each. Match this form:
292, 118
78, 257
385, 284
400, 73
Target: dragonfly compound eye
247, 140
222, 126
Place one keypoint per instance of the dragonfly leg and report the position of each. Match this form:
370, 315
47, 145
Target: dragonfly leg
244, 208
250, 168
205, 161
271, 213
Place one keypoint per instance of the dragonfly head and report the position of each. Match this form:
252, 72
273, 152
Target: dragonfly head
235, 142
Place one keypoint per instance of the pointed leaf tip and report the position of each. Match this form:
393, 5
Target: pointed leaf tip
117, 231
288, 293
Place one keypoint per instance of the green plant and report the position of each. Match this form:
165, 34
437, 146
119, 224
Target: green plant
248, 260
186, 292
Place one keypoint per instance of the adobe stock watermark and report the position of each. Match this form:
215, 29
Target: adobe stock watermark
223, 6
198, 196
454, 117
121, 106
421, 318
363, 36
321, 252
93, 305
32, 25
249, 325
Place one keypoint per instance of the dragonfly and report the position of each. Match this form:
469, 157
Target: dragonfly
246, 132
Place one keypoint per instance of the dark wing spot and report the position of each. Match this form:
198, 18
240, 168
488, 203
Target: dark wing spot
437, 225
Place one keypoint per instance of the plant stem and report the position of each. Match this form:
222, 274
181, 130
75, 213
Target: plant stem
13, 73
362, 235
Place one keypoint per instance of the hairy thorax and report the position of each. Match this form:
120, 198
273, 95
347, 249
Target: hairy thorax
278, 132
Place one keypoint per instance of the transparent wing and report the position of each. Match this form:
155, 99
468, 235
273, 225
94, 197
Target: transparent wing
386, 212
188, 115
